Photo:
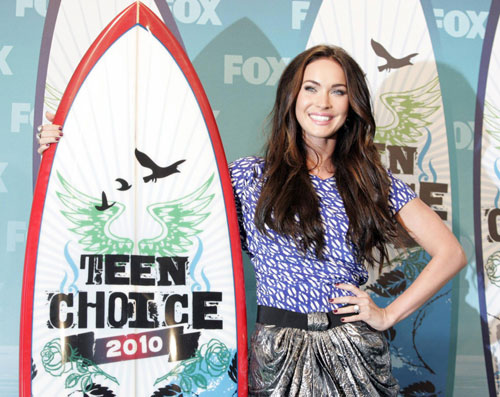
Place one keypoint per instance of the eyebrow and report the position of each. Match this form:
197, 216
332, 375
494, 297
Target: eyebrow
316, 83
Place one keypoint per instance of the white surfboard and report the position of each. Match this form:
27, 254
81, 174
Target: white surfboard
133, 275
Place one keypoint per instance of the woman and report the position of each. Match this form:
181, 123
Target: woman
312, 211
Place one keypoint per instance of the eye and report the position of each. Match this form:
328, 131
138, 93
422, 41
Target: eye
310, 88
338, 92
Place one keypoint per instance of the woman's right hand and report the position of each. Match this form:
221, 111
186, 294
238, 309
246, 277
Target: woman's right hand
48, 133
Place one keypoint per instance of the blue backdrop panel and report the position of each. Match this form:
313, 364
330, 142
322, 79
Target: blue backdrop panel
239, 49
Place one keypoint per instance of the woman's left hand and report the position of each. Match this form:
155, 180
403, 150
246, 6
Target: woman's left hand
48, 133
369, 312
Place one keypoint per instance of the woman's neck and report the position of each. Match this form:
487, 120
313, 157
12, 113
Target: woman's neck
320, 166
319, 161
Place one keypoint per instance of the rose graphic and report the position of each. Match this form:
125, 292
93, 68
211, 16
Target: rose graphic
216, 358
80, 370
209, 362
52, 358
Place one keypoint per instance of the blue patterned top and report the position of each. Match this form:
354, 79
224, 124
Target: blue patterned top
286, 277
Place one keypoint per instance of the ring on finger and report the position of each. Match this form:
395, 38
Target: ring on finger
356, 309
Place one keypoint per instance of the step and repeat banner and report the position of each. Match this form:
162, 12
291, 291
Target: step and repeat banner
431, 67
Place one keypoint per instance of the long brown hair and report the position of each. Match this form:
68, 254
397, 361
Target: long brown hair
288, 202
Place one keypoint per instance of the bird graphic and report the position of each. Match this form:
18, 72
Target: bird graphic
158, 172
179, 221
124, 184
104, 206
410, 112
392, 63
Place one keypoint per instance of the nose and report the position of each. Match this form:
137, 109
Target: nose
324, 100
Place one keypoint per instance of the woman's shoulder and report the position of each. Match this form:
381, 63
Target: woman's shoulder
247, 166
247, 162
399, 194
397, 182
246, 170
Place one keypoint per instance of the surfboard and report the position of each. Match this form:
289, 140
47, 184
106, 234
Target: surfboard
487, 198
71, 26
133, 277
401, 71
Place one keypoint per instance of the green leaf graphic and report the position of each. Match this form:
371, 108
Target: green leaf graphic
200, 381
87, 383
71, 380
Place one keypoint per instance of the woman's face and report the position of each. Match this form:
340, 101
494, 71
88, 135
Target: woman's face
322, 103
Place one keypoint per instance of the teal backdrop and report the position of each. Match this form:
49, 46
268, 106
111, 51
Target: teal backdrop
239, 49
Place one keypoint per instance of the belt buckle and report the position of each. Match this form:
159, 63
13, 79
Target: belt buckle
317, 321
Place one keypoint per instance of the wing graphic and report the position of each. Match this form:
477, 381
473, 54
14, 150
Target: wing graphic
380, 50
410, 112
52, 97
492, 123
92, 224
179, 220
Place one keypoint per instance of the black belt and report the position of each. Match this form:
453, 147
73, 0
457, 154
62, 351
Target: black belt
307, 321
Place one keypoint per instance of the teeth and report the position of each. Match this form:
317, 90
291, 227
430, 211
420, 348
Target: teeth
319, 118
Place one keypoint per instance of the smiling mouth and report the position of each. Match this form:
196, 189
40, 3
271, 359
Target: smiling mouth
317, 117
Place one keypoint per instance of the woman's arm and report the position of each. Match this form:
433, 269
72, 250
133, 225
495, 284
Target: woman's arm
448, 258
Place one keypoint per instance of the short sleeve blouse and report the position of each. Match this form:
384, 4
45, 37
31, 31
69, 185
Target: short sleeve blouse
286, 277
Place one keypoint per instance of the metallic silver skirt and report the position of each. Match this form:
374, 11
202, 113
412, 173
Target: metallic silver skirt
348, 360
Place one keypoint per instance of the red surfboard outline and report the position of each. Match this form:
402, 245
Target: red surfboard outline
135, 14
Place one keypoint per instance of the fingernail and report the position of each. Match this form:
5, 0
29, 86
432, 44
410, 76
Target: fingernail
61, 134
47, 145
60, 128
331, 300
342, 320
335, 311
57, 138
